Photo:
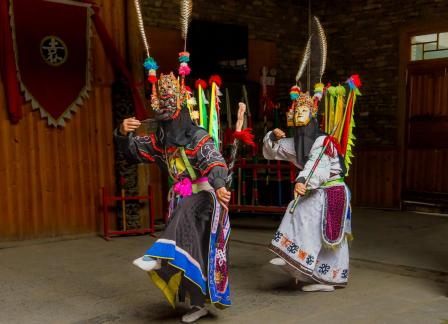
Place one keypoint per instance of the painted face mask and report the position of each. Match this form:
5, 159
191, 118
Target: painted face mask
302, 116
302, 110
167, 105
306, 127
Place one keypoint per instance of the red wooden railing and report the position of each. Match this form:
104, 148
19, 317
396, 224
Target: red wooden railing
108, 233
256, 205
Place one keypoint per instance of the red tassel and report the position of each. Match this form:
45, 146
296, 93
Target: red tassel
356, 80
152, 79
329, 150
216, 79
245, 136
188, 89
202, 83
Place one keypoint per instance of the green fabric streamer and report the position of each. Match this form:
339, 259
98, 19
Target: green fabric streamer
214, 123
203, 109
351, 138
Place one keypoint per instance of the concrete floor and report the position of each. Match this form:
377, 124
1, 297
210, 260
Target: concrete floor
388, 237
398, 275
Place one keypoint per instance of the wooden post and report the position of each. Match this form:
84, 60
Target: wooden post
151, 209
105, 214
279, 184
123, 208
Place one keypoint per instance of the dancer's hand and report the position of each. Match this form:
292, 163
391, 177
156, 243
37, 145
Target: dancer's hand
129, 125
223, 196
299, 189
279, 133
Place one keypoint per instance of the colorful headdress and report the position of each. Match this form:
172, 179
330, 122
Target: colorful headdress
301, 100
168, 89
339, 108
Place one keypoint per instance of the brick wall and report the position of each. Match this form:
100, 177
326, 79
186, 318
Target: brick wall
277, 21
363, 37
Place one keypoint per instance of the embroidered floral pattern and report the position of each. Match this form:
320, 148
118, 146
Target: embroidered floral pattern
324, 268
335, 273
293, 248
309, 260
143, 139
277, 236
302, 255
285, 242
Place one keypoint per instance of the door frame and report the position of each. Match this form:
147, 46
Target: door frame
423, 26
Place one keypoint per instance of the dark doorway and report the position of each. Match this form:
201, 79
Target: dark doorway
425, 174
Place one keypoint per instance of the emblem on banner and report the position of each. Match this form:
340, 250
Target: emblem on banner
53, 55
53, 50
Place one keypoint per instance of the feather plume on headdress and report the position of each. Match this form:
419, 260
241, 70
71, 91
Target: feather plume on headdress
186, 8
304, 63
323, 46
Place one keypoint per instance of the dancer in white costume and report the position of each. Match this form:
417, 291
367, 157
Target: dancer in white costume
299, 240
312, 240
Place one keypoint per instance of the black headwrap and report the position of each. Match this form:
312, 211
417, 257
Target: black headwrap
304, 137
177, 132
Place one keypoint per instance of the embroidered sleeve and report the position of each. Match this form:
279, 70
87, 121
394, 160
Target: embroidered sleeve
282, 149
322, 172
211, 164
136, 148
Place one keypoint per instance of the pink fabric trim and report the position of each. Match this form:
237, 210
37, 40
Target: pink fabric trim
200, 180
184, 187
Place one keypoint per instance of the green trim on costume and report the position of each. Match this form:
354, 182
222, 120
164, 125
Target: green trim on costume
332, 182
189, 168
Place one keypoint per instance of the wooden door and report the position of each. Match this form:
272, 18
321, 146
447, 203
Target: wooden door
425, 175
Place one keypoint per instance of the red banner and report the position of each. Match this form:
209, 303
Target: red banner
52, 47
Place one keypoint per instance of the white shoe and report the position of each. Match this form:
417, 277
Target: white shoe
195, 314
317, 287
300, 277
147, 264
278, 262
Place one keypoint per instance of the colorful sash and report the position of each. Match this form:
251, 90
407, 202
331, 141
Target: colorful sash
218, 276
